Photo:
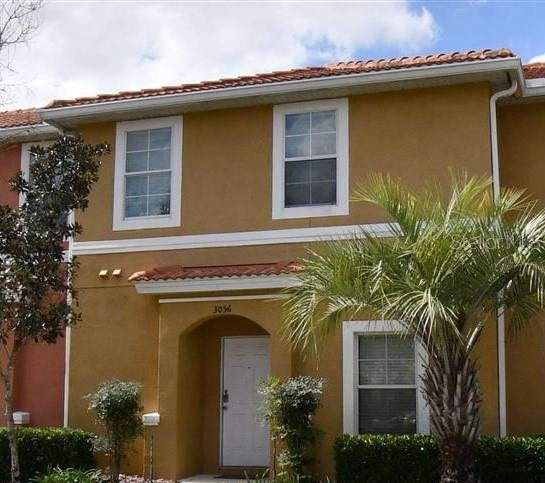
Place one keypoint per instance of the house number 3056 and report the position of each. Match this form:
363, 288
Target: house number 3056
222, 309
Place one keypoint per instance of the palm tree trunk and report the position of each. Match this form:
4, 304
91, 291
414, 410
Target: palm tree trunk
452, 390
7, 382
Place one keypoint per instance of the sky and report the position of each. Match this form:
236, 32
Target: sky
83, 48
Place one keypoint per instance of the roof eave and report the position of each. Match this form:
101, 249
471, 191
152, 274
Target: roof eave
70, 116
216, 284
27, 133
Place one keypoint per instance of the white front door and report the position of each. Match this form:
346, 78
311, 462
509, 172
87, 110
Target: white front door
244, 438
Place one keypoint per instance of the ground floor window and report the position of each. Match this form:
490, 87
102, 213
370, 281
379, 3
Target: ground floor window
381, 375
386, 384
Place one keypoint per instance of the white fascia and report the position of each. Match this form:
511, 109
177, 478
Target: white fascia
186, 99
27, 133
216, 284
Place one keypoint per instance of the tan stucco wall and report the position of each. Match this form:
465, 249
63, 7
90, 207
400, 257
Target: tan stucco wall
227, 158
117, 339
522, 165
415, 135
131, 336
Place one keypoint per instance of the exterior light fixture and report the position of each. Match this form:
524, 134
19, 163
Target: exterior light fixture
21, 418
151, 419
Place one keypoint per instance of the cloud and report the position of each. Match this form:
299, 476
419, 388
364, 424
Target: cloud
84, 48
537, 58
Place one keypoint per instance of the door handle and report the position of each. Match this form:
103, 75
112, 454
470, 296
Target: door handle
225, 399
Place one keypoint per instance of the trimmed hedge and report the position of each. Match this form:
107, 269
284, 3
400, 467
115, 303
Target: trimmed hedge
415, 459
41, 449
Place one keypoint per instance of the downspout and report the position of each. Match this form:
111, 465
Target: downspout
502, 392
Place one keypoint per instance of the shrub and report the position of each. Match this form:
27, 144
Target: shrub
520, 460
386, 458
288, 407
44, 448
415, 459
117, 408
70, 476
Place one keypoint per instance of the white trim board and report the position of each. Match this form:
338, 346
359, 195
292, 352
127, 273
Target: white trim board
222, 298
216, 284
215, 240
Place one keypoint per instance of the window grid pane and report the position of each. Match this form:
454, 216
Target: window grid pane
386, 384
312, 182
148, 172
310, 177
387, 411
304, 139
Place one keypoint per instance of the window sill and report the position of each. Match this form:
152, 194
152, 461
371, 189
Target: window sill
142, 223
310, 211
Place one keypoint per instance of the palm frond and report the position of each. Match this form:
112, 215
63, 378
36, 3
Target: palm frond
452, 259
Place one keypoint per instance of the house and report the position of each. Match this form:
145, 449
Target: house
214, 190
39, 371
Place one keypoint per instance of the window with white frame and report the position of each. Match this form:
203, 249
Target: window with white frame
386, 384
310, 159
148, 174
381, 375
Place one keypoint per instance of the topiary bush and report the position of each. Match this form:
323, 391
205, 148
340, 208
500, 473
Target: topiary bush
288, 407
43, 448
415, 459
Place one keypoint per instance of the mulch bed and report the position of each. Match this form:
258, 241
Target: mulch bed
139, 479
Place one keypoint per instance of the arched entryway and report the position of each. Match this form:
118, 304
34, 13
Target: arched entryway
221, 361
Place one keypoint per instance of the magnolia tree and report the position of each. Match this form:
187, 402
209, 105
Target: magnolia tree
35, 278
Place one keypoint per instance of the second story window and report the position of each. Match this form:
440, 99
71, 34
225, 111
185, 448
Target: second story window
310, 172
148, 174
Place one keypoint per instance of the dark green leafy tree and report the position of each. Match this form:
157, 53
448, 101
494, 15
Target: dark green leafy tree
453, 261
288, 407
117, 409
35, 279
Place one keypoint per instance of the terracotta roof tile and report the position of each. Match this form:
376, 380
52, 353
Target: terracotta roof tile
534, 71
331, 70
19, 118
178, 272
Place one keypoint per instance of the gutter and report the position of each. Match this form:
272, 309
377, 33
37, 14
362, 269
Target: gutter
494, 134
286, 87
502, 391
32, 130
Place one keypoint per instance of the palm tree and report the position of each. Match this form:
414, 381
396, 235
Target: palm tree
453, 263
